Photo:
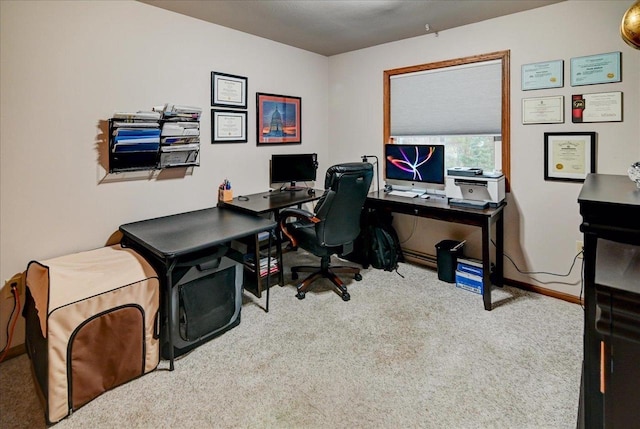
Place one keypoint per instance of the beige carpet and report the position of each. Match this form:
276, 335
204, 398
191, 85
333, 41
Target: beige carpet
408, 352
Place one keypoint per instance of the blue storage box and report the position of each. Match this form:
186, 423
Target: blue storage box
470, 266
469, 281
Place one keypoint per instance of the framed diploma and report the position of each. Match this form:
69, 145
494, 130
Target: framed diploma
599, 107
228, 126
278, 119
228, 90
549, 74
594, 69
543, 110
569, 156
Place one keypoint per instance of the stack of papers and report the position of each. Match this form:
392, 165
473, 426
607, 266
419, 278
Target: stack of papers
167, 136
177, 112
174, 129
136, 139
137, 116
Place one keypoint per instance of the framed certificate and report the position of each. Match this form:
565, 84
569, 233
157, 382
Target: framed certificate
228, 90
594, 69
599, 107
569, 156
228, 126
543, 110
549, 74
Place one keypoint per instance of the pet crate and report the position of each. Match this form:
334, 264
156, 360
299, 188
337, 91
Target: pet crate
92, 322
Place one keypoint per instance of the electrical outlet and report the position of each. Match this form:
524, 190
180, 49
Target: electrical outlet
580, 248
18, 280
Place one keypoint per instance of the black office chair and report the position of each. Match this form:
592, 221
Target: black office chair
333, 227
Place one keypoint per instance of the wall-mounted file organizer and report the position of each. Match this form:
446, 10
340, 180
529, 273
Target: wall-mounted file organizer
164, 138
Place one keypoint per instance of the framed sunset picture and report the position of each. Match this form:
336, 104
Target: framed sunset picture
279, 119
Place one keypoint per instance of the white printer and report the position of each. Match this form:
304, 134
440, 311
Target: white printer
471, 184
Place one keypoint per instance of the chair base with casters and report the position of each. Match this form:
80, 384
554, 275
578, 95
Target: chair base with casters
324, 271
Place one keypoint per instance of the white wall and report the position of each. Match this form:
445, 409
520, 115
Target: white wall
542, 217
68, 66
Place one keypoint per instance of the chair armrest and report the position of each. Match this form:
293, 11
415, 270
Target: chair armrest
298, 214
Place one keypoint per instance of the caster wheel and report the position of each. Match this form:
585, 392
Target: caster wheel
358, 277
294, 275
300, 295
346, 296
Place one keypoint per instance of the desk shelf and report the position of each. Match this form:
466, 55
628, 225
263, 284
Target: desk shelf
266, 204
257, 248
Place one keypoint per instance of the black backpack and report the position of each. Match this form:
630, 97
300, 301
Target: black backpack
377, 245
383, 253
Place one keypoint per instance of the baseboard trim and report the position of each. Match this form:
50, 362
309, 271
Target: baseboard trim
419, 258
16, 351
431, 262
543, 291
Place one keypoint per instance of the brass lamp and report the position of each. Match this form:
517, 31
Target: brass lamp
630, 26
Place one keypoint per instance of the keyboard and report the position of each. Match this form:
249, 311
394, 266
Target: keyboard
408, 194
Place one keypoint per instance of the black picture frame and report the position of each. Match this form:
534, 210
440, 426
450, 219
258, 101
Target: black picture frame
569, 156
229, 90
228, 126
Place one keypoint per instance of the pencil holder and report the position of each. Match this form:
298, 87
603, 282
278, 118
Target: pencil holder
225, 195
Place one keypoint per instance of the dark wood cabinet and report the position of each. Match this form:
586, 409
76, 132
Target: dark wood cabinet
610, 209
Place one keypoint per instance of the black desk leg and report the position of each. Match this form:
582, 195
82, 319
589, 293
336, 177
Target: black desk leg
269, 270
278, 239
486, 264
277, 234
168, 309
499, 273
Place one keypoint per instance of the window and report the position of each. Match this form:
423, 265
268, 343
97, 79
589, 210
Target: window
463, 103
482, 151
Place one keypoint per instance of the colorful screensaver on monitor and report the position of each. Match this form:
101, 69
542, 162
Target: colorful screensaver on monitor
416, 163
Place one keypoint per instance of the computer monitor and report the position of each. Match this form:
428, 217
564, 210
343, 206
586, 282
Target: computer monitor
414, 166
292, 168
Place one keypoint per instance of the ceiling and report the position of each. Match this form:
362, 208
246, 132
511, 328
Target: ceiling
330, 27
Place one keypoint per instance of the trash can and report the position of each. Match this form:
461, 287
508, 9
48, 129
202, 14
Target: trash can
447, 252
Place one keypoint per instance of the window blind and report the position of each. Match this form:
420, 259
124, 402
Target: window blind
455, 100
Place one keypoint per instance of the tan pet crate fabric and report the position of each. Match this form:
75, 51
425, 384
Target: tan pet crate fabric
97, 314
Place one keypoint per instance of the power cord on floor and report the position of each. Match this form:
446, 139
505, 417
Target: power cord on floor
582, 282
16, 306
575, 258
542, 272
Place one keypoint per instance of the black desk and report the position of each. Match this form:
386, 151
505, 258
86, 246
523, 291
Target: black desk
485, 219
270, 203
610, 209
182, 236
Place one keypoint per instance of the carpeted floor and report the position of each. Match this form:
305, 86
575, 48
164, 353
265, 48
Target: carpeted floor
408, 352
